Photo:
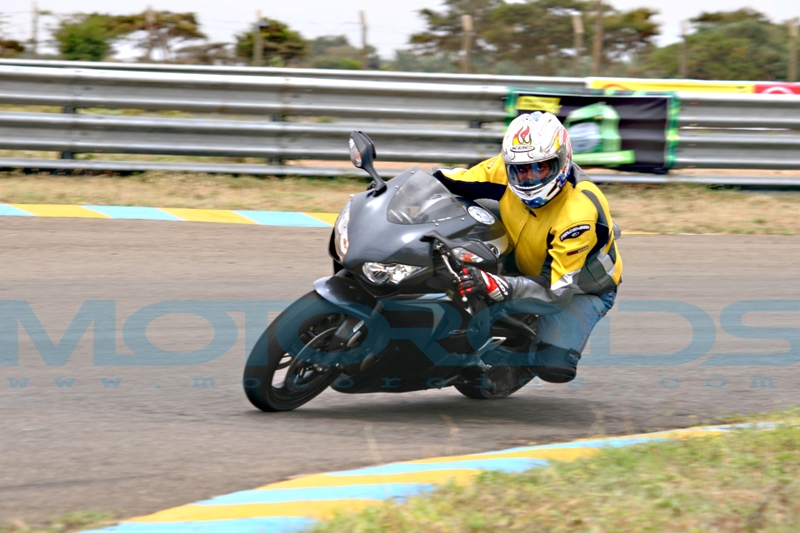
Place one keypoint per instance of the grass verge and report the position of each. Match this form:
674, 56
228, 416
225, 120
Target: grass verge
743, 481
164, 189
68, 523
659, 209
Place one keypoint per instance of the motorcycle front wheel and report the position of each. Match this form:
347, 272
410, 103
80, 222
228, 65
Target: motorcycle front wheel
278, 378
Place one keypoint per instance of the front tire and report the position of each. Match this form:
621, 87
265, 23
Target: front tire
279, 379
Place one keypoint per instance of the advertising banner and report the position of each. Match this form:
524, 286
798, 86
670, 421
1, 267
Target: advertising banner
656, 85
627, 131
778, 88
692, 86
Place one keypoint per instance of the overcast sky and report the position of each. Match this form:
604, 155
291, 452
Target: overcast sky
390, 22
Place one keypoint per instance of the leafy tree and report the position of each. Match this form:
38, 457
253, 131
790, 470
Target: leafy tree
205, 54
628, 37
10, 48
89, 37
736, 45
444, 34
407, 61
533, 36
336, 62
709, 20
167, 31
319, 46
282, 45
336, 52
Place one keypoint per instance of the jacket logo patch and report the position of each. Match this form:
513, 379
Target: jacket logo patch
574, 233
573, 252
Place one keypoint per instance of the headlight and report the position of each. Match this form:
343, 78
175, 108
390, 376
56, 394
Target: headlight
380, 273
340, 239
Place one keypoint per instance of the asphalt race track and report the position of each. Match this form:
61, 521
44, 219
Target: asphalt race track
160, 436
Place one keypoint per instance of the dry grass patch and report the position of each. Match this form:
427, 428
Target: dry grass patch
162, 189
700, 209
68, 523
660, 209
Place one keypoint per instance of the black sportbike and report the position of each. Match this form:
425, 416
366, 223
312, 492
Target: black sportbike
388, 320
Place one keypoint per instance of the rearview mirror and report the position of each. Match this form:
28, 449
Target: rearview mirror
362, 154
362, 150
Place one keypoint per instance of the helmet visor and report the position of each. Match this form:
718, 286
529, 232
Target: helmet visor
531, 175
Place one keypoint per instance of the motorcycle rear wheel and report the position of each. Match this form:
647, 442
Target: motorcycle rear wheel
266, 384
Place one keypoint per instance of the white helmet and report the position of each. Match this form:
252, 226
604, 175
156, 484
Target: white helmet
538, 157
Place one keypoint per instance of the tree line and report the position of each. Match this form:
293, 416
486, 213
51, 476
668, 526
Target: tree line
534, 37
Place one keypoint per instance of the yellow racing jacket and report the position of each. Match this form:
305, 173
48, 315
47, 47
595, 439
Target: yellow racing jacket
563, 248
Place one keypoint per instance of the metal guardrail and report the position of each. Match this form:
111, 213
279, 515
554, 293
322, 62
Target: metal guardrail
208, 93
328, 74
736, 111
101, 166
201, 137
716, 130
739, 131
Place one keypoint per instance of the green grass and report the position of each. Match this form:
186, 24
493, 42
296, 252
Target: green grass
67, 523
744, 481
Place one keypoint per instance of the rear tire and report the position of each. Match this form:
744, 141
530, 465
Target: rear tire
312, 321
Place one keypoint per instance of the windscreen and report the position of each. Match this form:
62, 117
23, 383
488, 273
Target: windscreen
422, 199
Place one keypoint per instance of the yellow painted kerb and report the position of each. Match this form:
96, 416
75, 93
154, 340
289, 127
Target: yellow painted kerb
330, 218
62, 211
458, 476
208, 215
318, 510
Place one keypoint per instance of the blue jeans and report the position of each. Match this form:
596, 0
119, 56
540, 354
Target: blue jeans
571, 327
562, 336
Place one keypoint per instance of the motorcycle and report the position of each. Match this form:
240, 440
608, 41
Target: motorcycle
389, 319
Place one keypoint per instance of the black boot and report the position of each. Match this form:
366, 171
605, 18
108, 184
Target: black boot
555, 364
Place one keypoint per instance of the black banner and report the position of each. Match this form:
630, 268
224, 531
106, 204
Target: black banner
623, 131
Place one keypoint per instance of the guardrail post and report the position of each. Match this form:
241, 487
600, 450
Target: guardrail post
277, 117
69, 110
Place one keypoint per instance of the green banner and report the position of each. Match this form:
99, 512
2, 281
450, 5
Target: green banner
624, 130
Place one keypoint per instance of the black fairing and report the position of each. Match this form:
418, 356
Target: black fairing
374, 238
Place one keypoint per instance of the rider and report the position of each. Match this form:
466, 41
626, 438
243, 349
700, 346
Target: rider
563, 236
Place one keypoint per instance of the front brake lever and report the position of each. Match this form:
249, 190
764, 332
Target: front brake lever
444, 253
446, 260
443, 246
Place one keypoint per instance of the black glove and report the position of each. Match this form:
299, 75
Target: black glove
475, 281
